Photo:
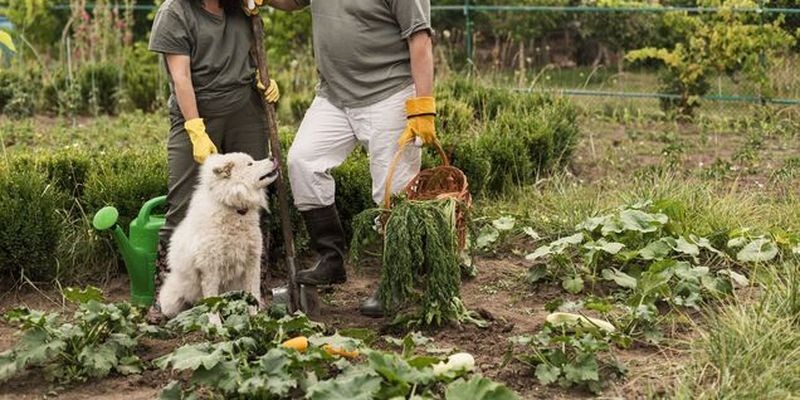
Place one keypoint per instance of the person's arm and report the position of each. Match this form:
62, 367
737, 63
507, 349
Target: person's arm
181, 73
287, 5
421, 48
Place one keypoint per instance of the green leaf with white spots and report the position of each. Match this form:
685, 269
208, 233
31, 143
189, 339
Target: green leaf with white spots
759, 250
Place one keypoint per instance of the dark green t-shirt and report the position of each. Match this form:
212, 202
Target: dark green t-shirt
219, 48
361, 47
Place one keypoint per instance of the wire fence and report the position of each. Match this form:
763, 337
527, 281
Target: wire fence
591, 82
538, 68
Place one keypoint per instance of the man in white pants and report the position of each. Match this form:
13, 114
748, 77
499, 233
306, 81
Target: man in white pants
375, 63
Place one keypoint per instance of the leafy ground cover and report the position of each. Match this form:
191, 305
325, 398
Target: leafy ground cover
694, 267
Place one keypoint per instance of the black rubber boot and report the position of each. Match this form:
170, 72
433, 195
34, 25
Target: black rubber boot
371, 307
327, 239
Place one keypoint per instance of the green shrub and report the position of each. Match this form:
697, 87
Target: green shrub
500, 138
30, 225
298, 106
8, 81
125, 180
17, 95
62, 95
67, 169
142, 78
353, 188
99, 87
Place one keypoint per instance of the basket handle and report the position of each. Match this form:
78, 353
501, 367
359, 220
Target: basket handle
387, 190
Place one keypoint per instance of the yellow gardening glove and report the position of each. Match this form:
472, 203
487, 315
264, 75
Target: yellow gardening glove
271, 94
250, 7
421, 113
202, 146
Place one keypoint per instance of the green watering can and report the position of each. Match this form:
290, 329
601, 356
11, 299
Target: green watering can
139, 249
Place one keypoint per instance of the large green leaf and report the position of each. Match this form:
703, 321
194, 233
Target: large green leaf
655, 250
8, 365
98, 361
640, 221
583, 369
81, 296
505, 223
172, 391
395, 369
478, 388
605, 246
592, 223
486, 237
192, 356
557, 247
619, 277
547, 374
354, 384
222, 376
682, 245
573, 285
759, 250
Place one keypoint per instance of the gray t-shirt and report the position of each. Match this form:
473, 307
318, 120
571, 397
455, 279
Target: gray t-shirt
361, 47
219, 47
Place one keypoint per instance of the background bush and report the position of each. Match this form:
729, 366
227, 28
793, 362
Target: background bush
99, 86
499, 138
30, 225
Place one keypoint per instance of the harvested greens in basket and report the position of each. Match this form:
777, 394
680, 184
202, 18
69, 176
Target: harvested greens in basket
421, 273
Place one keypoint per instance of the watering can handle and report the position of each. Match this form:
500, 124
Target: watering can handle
148, 207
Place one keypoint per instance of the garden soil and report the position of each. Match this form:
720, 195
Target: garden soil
499, 293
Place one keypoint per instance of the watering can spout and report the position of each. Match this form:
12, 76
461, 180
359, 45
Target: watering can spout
106, 219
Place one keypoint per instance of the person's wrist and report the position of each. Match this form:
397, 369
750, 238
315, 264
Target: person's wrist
420, 106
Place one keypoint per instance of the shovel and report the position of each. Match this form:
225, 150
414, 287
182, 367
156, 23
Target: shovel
296, 297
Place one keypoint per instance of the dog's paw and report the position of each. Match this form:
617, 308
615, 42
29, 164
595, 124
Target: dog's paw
215, 320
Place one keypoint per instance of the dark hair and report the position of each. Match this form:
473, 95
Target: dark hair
230, 6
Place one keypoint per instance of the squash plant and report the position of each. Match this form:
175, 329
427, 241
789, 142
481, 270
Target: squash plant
99, 339
249, 357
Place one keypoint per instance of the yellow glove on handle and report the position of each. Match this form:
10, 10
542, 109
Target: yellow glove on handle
271, 94
421, 113
202, 146
250, 7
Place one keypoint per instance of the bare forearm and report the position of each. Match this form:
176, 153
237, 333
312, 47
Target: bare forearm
421, 48
285, 5
180, 71
184, 94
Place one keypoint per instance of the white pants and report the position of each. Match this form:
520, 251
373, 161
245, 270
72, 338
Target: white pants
329, 134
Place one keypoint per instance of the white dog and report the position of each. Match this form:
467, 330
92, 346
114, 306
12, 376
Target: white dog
217, 247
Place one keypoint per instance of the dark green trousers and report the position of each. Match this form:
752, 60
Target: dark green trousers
241, 131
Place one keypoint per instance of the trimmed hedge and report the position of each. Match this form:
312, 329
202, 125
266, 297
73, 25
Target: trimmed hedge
499, 138
30, 225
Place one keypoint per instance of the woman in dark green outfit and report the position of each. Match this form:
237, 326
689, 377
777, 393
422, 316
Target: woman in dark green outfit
215, 103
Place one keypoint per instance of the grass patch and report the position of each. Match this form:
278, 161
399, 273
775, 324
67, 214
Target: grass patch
748, 349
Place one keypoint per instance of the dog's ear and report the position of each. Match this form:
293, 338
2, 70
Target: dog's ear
225, 170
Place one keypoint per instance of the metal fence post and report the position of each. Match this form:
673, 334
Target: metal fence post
762, 57
468, 30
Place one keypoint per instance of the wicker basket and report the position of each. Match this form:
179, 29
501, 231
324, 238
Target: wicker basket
445, 181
